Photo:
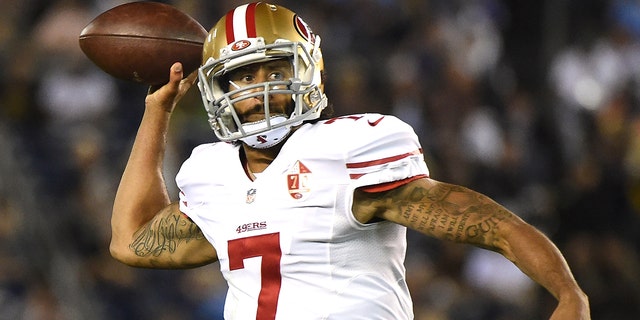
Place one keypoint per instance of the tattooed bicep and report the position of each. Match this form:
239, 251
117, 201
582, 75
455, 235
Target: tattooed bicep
165, 233
446, 211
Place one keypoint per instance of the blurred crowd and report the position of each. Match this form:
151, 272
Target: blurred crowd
534, 103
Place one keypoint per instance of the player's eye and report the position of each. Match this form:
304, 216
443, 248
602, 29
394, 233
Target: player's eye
248, 78
241, 81
276, 76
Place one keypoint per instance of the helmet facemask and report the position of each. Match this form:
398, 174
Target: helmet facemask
219, 97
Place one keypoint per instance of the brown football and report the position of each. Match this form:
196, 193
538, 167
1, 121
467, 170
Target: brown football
139, 41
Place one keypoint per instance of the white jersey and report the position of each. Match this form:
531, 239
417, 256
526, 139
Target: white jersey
288, 244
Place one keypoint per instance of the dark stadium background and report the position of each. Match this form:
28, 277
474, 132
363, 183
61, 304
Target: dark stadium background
535, 103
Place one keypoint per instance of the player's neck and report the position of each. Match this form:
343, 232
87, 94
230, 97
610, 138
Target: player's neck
257, 160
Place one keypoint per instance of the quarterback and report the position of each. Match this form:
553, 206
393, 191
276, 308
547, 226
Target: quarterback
307, 214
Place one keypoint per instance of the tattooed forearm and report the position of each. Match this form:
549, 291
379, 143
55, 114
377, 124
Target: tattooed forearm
450, 212
164, 234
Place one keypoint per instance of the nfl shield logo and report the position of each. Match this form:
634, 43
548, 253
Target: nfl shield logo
251, 195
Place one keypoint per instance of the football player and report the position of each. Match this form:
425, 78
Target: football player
307, 214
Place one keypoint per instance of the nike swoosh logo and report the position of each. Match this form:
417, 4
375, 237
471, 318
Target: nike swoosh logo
375, 123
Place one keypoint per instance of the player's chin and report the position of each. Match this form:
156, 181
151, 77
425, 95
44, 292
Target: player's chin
251, 119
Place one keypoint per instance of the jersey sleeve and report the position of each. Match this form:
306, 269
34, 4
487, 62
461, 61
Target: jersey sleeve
384, 154
193, 175
184, 204
184, 181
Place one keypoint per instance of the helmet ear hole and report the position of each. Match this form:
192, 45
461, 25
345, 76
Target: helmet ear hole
223, 83
323, 77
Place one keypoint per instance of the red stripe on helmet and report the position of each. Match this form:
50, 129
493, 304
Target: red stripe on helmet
251, 20
229, 26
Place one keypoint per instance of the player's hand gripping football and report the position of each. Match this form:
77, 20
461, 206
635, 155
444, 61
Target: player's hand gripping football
167, 96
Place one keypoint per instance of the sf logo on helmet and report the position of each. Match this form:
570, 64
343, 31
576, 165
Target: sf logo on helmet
304, 30
241, 44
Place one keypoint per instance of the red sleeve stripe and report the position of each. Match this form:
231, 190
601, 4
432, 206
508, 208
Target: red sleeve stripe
355, 165
355, 176
391, 185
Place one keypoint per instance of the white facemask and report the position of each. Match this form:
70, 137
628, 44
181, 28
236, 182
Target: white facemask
266, 139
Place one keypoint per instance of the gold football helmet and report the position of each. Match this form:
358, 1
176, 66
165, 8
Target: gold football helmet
254, 33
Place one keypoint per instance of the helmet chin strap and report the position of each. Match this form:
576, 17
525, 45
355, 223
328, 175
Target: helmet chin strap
266, 139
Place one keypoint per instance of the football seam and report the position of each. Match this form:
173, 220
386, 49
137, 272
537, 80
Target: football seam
138, 37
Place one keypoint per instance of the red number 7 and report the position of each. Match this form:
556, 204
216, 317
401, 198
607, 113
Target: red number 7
267, 246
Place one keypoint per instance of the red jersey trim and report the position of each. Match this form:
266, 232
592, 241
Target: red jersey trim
355, 165
391, 185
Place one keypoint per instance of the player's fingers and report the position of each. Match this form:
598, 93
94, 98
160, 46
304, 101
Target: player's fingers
167, 95
191, 78
187, 82
175, 75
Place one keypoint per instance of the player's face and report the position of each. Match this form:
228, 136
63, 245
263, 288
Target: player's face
252, 109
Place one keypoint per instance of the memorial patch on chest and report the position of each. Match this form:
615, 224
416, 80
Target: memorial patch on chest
299, 180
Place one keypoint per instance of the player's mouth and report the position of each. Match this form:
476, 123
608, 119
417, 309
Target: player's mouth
256, 117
